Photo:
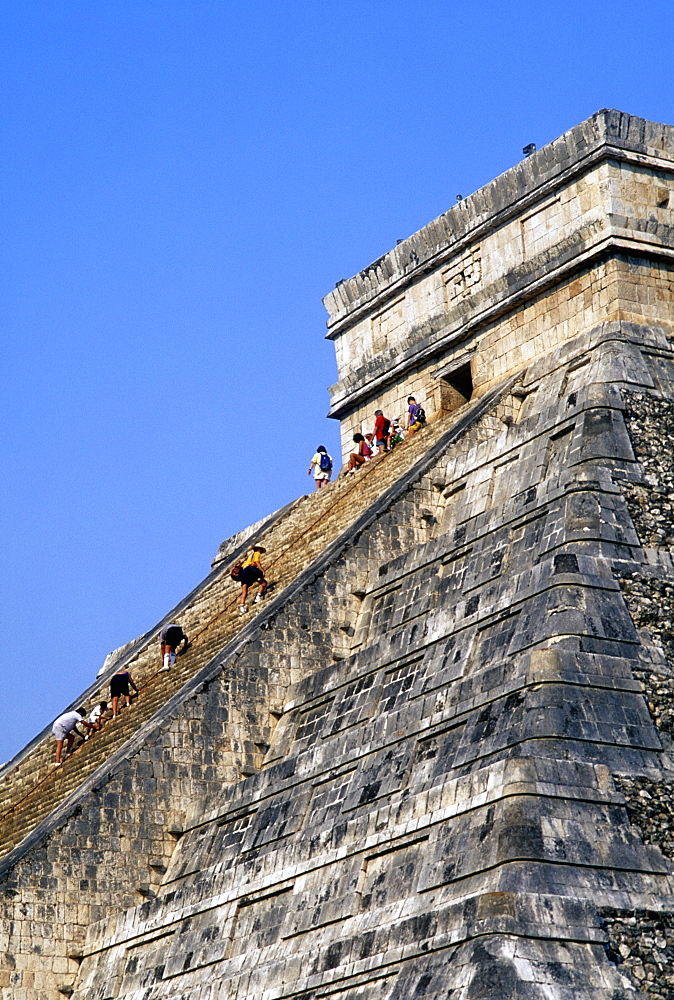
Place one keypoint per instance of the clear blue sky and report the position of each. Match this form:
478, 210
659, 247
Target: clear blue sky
181, 183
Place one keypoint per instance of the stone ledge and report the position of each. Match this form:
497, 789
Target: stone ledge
517, 189
378, 374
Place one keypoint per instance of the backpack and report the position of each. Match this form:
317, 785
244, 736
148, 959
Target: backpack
325, 462
236, 571
421, 415
386, 428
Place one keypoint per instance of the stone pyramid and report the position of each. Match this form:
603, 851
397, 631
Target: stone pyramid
437, 761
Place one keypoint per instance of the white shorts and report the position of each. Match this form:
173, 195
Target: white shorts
61, 731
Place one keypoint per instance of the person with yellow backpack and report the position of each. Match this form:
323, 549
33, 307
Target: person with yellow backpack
250, 571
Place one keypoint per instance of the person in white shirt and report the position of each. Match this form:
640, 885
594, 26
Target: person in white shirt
99, 714
321, 464
64, 730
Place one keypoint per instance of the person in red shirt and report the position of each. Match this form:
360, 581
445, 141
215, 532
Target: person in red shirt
382, 427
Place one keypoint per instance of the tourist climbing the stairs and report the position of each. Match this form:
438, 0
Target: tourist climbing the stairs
65, 730
171, 637
119, 688
252, 572
99, 715
321, 464
416, 416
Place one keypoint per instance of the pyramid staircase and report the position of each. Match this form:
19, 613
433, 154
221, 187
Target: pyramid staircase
31, 788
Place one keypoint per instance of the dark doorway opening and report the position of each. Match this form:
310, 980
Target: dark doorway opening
456, 387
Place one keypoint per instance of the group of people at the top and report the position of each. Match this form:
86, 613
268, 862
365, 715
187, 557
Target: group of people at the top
385, 435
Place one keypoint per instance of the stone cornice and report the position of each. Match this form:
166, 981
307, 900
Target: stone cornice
498, 303
607, 135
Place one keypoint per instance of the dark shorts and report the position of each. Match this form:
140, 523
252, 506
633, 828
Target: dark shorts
250, 574
119, 685
173, 637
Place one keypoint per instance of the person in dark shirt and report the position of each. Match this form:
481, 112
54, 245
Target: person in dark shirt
119, 687
170, 637
252, 572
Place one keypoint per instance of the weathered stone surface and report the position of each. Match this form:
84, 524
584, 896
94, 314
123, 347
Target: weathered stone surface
438, 761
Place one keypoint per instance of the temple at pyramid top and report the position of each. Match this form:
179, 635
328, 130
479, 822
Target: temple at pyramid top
465, 302
436, 759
